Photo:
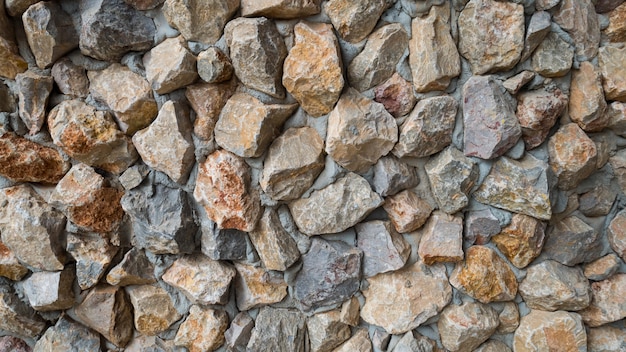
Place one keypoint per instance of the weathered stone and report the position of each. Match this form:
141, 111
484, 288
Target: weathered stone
542, 5
522, 240
616, 31
142, 343
411, 343
107, 310
279, 330
608, 303
428, 129
452, 175
13, 344
396, 94
537, 112
350, 310
402, 300
256, 287
378, 60
200, 21
359, 341
111, 28
312, 71
587, 106
153, 310
480, 225
545, 331
214, 66
603, 6
202, 280
441, 239
493, 346
257, 51
238, 334
10, 267
571, 241
134, 269
484, 276
392, 176
618, 163
572, 155
605, 146
509, 318
579, 19
354, 20
7, 99
383, 248
277, 249
143, 5
224, 244
49, 31
336, 207
464, 327
407, 211
207, 100
33, 92
606, 339
616, 234
51, 290
284, 9
70, 78
602, 268
67, 335
223, 188
538, 28
203, 330
553, 57
612, 62
11, 63
596, 202
247, 126
170, 65
93, 254
515, 83
17, 317
326, 331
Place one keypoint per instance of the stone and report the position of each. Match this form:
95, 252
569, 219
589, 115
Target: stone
162, 219
350, 310
596, 202
223, 189
605, 146
282, 9
383, 248
538, 28
13, 344
433, 55
134, 269
153, 309
428, 129
491, 127
107, 310
11, 63
392, 176
616, 31
144, 5
200, 21
330, 274
247, 126
616, 234
277, 249
571, 241
606, 338
224, 244
603, 6
90, 136
16, 317
7, 99
293, 162
127, 94
32, 229
33, 92
10, 267
279, 330
111, 28
378, 59
464, 327
326, 331
336, 207
441, 239
49, 31
93, 254
70, 336
51, 290
256, 287
312, 71
480, 226
542, 5
612, 61
404, 299
170, 66
522, 240
17, 7
484, 276
537, 111
587, 106
239, 332
608, 303
572, 155
491, 35
202, 280
257, 51
354, 20
411, 343
452, 175
207, 100
214, 66
602, 268
553, 57
396, 94
359, 341
510, 186
552, 286
544, 331
493, 346
509, 318
22, 160
203, 330
71, 79
579, 19
517, 82
618, 163
407, 211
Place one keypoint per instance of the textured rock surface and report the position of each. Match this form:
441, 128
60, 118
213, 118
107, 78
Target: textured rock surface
392, 176
280, 8
607, 302
207, 101
407, 211
537, 111
203, 330
587, 105
480, 226
612, 61
22, 160
359, 341
224, 244
571, 241
170, 65
107, 310
354, 20
10, 267
452, 175
616, 234
277, 249
465, 327
578, 18
396, 94
278, 329
522, 240
50, 290
33, 92
93, 254
70, 78
553, 57
602, 268
543, 331
18, 318
383, 248
134, 269
441, 239
256, 287
572, 155
153, 311
327, 331
70, 336
200, 21
214, 66
606, 338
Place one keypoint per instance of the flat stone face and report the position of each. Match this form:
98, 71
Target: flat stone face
579, 19
153, 309
354, 19
616, 234
537, 111
396, 94
33, 92
465, 327
134, 269
207, 100
553, 57
606, 338
283, 9
383, 248
93, 254
224, 244
480, 226
200, 21
452, 175
545, 331
407, 211
238, 334
326, 331
392, 176
608, 302
441, 239
17, 317
70, 336
572, 155
571, 241
522, 240
602, 268
612, 61
587, 106
203, 330
70, 78
277, 249
48, 291
256, 287
170, 66
278, 329
596, 202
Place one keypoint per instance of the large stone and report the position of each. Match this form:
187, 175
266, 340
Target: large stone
441, 239
67, 335
283, 9
224, 244
538, 28
354, 20
214, 66
608, 302
277, 249
537, 111
257, 51
602, 268
200, 21
606, 339
407, 211
603, 6
278, 330
17, 317
572, 155
71, 79
51, 290
207, 100
107, 310
550, 331
33, 92
612, 62
522, 240
383, 248
579, 19
392, 176
10, 267
616, 31
480, 226
396, 94
571, 241
11, 63
153, 309
452, 175
203, 330
134, 269
464, 327
93, 254
616, 234
170, 65
359, 341
509, 318
326, 331
256, 287
410, 343
336, 207
312, 72
553, 57
587, 106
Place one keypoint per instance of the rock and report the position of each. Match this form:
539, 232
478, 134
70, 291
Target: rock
433, 56
49, 31
199, 21
330, 274
70, 78
392, 176
11, 63
596, 202
144, 5
107, 310
553, 57
247, 126
571, 241
354, 20
612, 61
7, 99
326, 331
538, 28
491, 35
383, 248
278, 329
602, 268
170, 66
127, 94
359, 341
616, 234
522, 240
111, 28
202, 280
587, 106
616, 31
283, 9
452, 175
293, 162
509, 318
404, 299
214, 66
378, 59
407, 211
162, 219
543, 331
207, 100
605, 146
606, 338
10, 267
153, 309
203, 330
515, 83
491, 127
493, 346
223, 189
277, 249
484, 276
350, 311
579, 19
572, 155
396, 94
238, 334
480, 226
312, 71
224, 244
618, 163
603, 6
607, 303
441, 239
33, 93
537, 112
409, 343
464, 327
16, 317
256, 287
93, 254
70, 336
51, 290
428, 129
336, 207
13, 344
22, 160
134, 269
258, 52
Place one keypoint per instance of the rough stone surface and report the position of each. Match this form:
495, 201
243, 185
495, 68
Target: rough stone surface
537, 111
359, 341
354, 19
17, 317
464, 327
480, 226
238, 334
514, 84
441, 239
170, 66
579, 19
571, 241
618, 163
616, 234
198, 20
153, 310
607, 303
545, 331
407, 211
50, 290
452, 175
224, 244
509, 318
493, 346
256, 287
616, 31
134, 269
396, 94
553, 57
11, 63
538, 28
522, 240
606, 338
214, 66
203, 330
572, 155
33, 92
602, 268
207, 100
10, 267
596, 202
278, 329
93, 254
70, 78
392, 176
284, 9
383, 248
107, 310
277, 249
67, 335
326, 331
587, 106
612, 61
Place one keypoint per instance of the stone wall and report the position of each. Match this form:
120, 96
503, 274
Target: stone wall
308, 175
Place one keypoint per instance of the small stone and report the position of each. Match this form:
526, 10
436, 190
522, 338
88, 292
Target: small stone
542, 5
407, 211
202, 280
553, 57
409, 343
359, 341
428, 129
480, 226
256, 287
203, 330
612, 61
247, 126
33, 93
279, 330
452, 175
383, 248
144, 5
336, 207
522, 240
537, 112
616, 233
153, 310
312, 72
133, 176
602, 268
587, 106
605, 146
200, 21
214, 66
107, 310
70, 78
134, 269
350, 310
618, 163
464, 327
441, 239
277, 249
493, 346
11, 63
207, 100
326, 331
10, 267
538, 28
608, 303
170, 66
579, 19
93, 254
484, 276
281, 9
572, 155
616, 31
515, 83
396, 94
224, 244
67, 335
571, 241
392, 176
545, 331
51, 290
16, 317
238, 334
509, 318
606, 339
354, 20
597, 202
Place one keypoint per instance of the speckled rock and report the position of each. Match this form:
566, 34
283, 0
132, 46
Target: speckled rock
572, 155
277, 249
153, 309
522, 240
616, 31
69, 336
587, 106
326, 331
354, 20
70, 78
616, 233
10, 267
203, 330
608, 303
612, 61
452, 175
17, 317
396, 94
579, 19
602, 268
279, 330
51, 290
553, 57
544, 331
256, 287
170, 66
33, 93
200, 21
107, 310
383, 248
441, 239
134, 269
464, 327
93, 254
606, 339
571, 241
407, 211
537, 111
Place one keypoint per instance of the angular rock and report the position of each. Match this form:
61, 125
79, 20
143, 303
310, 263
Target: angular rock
7, 99
452, 175
153, 309
312, 72
170, 65
13, 344
326, 331
411, 343
247, 126
200, 21
480, 226
522, 240
93, 254
279, 330
608, 303
203, 330
596, 202
603, 6
359, 341
11, 63
396, 94
602, 268
107, 310
612, 61
143, 5
441, 239
392, 176
606, 339
224, 244
51, 290
616, 31
336, 207
542, 5
354, 20
515, 83
67, 335
70, 78
572, 155
383, 248
616, 234
579, 19
545, 331
553, 57
537, 111
407, 211
538, 28
16, 317
207, 100
464, 327
283, 9
493, 346
33, 92
256, 287
587, 106
134, 269
10, 267
277, 249
350, 311
214, 66
509, 318
238, 334
571, 241
618, 163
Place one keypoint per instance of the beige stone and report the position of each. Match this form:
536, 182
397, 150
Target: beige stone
572, 155
509, 318
612, 62
10, 267
350, 310
550, 331
537, 111
354, 19
616, 234
602, 268
522, 240
71, 79
407, 211
383, 248
170, 65
283, 9
359, 341
203, 330
207, 100
327, 331
278, 251
616, 31
464, 327
587, 106
553, 57
608, 303
256, 287
441, 239
200, 21
214, 66
606, 339
153, 310
33, 93
579, 19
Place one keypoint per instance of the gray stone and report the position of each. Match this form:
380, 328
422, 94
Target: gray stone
553, 57
214, 66
608, 303
537, 111
538, 28
571, 241
326, 331
107, 310
480, 225
359, 341
279, 330
464, 327
224, 244
441, 239
618, 163
13, 344
51, 290
67, 335
153, 309
200, 21
603, 6
170, 66
579, 19
383, 248
277, 249
616, 233
134, 269
573, 155
596, 202
602, 268
33, 93
283, 9
517, 82
93, 254
239, 332
407, 211
411, 343
354, 19
257, 287
203, 330
71, 79
17, 317
396, 94
606, 339
17, 7
392, 176
542, 5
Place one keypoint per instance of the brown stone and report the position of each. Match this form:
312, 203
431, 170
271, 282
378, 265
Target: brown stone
522, 240
616, 31
327, 331
553, 57
579, 19
33, 92
602, 268
587, 106
214, 66
441, 239
153, 310
143, 5
537, 111
10, 267
203, 330
207, 100
464, 327
354, 19
396, 94
24, 161
70, 78
509, 318
350, 310
608, 303
612, 62
200, 21
283, 9
277, 249
11, 63
359, 341
170, 65
550, 331
407, 211
572, 155
16, 317
616, 234
256, 287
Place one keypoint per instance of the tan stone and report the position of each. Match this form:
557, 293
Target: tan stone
441, 239
354, 19
517, 82
17, 317
550, 331
616, 31
522, 240
350, 310
396, 94
256, 287
553, 57
327, 331
509, 318
33, 92
612, 62
170, 65
200, 21
207, 100
572, 155
608, 303
587, 106
71, 79
153, 310
10, 267
93, 254
203, 330
11, 63
537, 111
579, 19
618, 163
616, 234
278, 251
464, 327
359, 341
407, 211
214, 66
283, 9
606, 339
602, 268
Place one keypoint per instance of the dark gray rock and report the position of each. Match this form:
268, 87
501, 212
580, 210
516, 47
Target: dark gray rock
537, 30
383, 248
224, 244
392, 176
134, 269
597, 202
278, 330
480, 225
571, 241
17, 317
67, 335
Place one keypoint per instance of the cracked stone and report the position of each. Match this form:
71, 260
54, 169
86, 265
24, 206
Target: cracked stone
71, 79
107, 310
33, 92
277, 249
572, 155
522, 240
170, 66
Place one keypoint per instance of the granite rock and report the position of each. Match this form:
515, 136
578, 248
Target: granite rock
606, 338
616, 31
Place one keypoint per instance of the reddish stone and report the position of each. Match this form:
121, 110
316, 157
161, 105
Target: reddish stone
22, 160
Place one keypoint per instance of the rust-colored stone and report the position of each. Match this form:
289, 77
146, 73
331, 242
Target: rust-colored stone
522, 240
22, 160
